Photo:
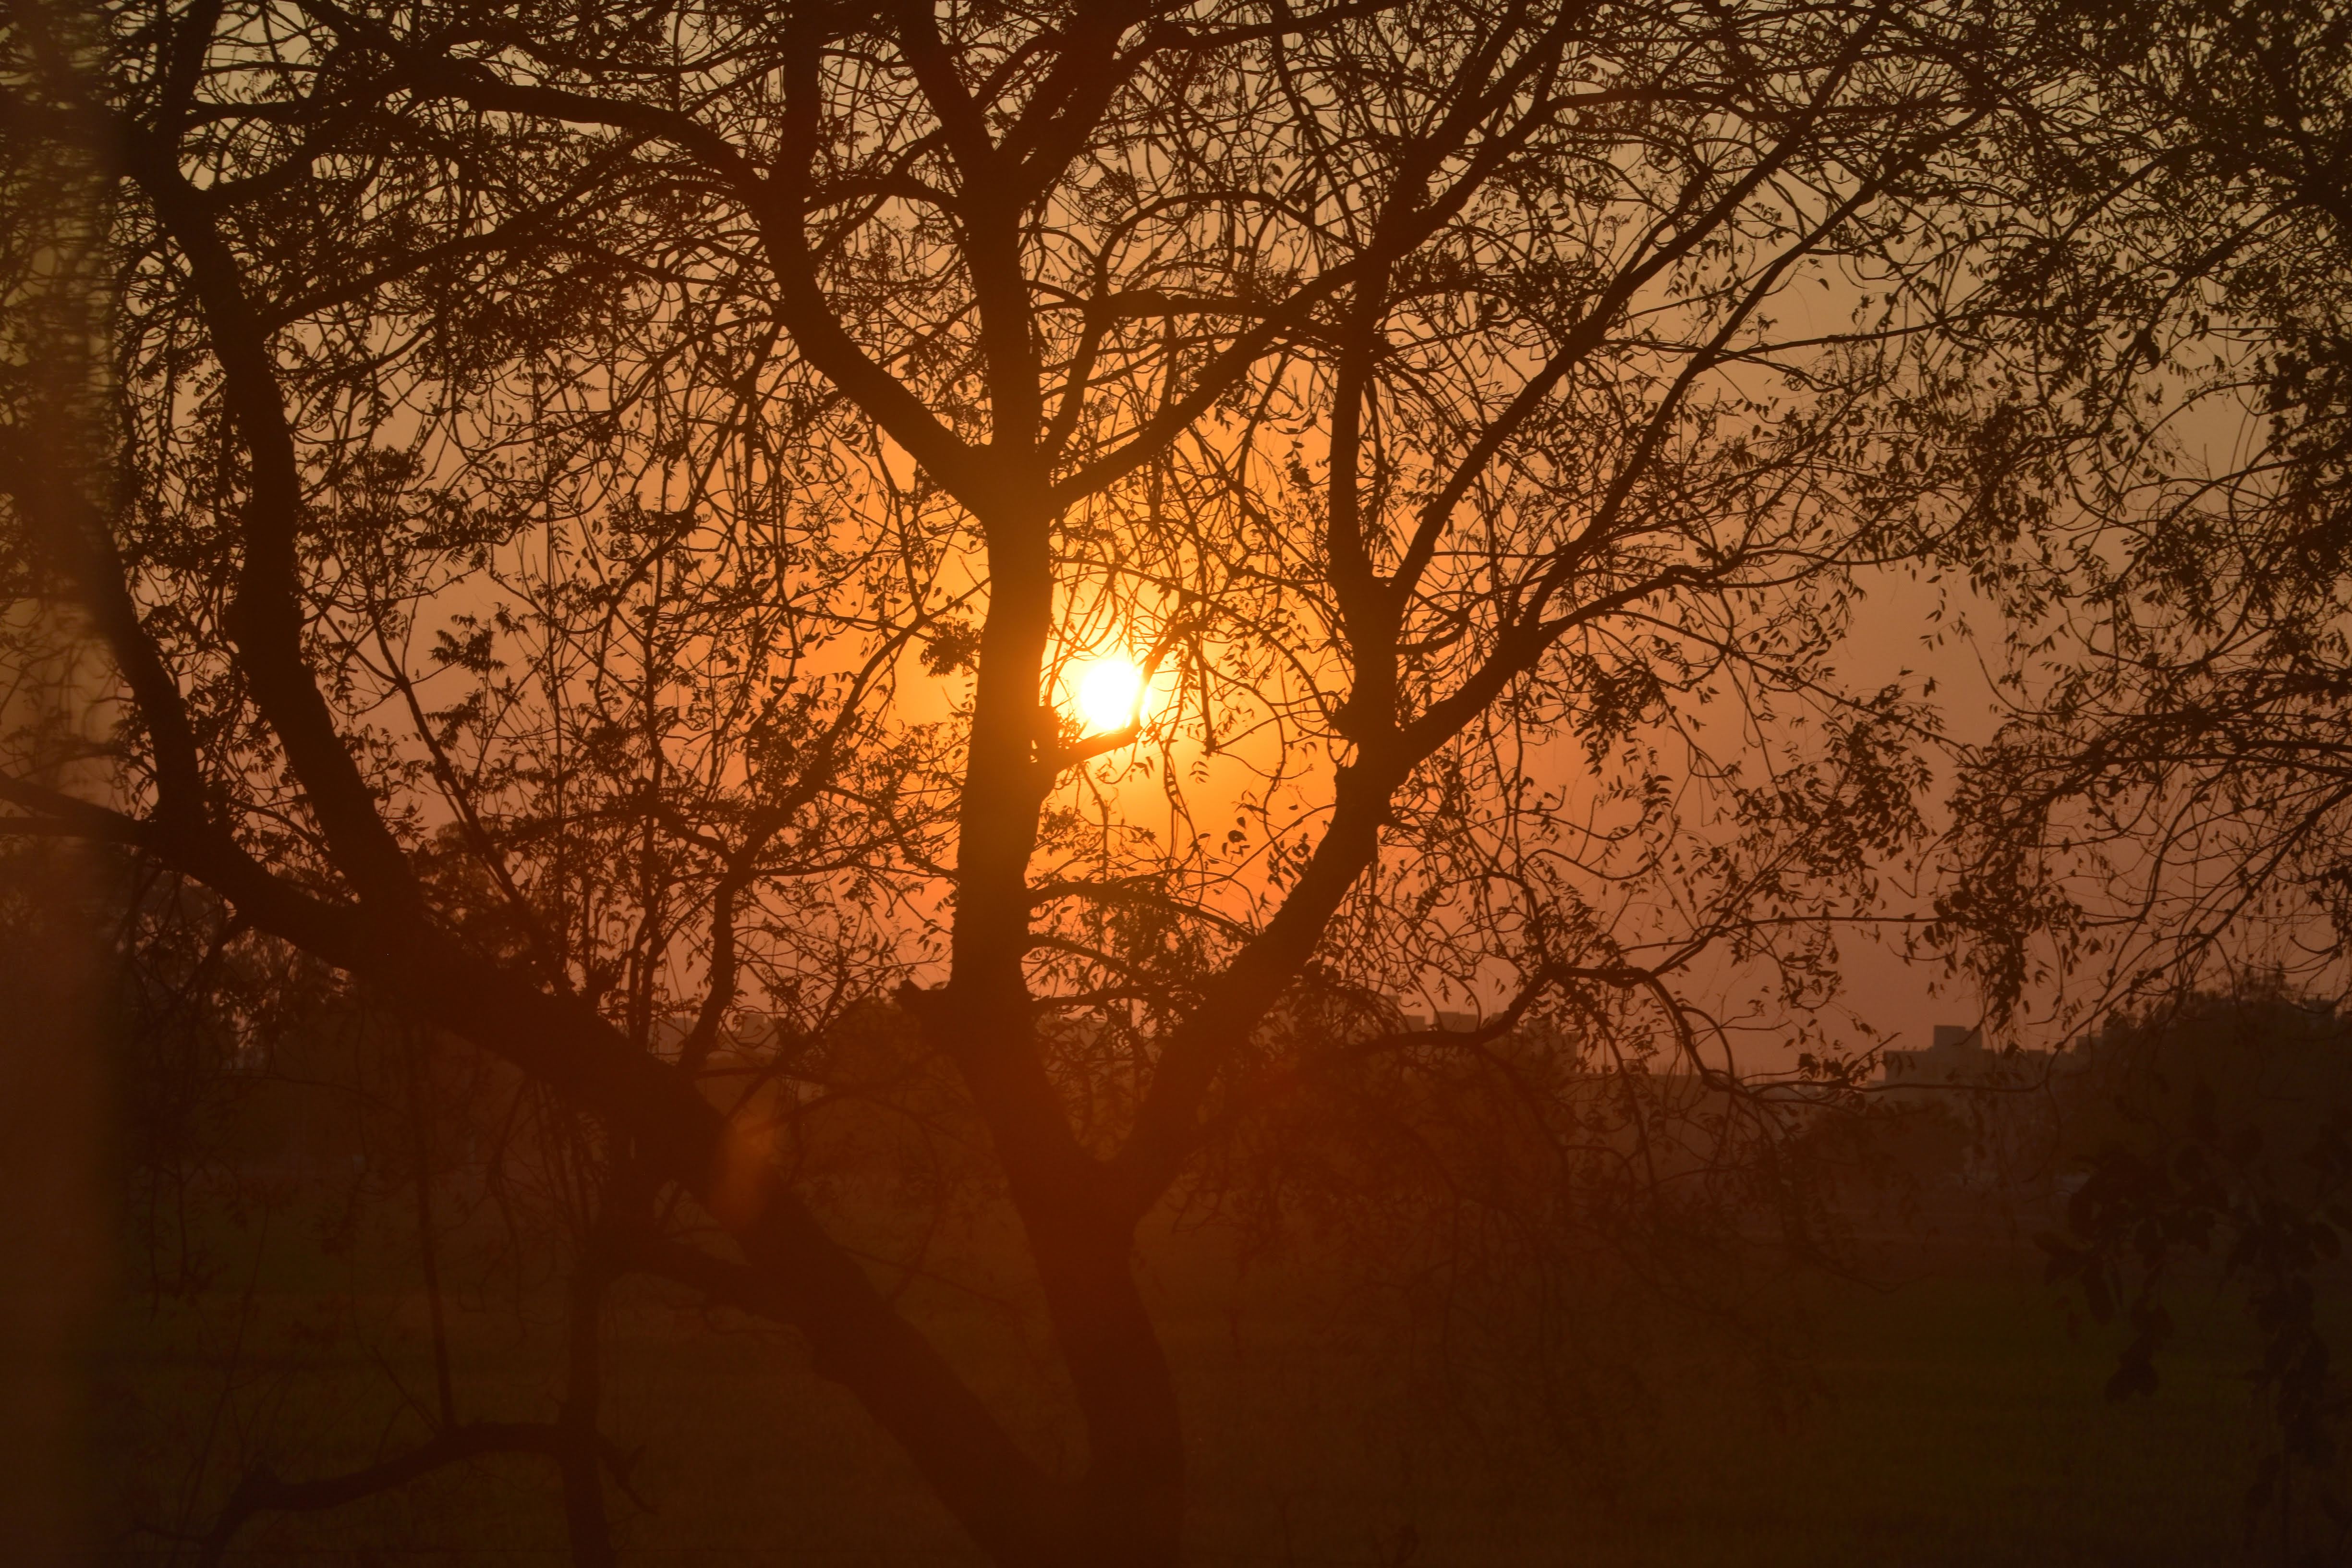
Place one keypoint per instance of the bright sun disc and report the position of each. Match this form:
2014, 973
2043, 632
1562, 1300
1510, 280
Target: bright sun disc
1107, 690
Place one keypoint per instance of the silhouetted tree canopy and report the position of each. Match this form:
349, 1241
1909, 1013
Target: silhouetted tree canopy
596, 514
2169, 794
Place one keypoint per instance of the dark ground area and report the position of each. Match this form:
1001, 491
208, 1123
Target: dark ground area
1950, 1419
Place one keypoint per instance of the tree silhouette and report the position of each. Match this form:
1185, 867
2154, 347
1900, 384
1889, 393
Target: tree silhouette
2167, 797
598, 513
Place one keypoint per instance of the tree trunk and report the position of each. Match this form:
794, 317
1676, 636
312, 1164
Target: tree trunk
584, 1519
1133, 1491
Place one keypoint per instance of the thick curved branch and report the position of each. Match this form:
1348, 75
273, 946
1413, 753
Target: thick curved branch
776, 203
262, 1492
266, 618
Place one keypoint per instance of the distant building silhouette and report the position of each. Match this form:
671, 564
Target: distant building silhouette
1958, 1054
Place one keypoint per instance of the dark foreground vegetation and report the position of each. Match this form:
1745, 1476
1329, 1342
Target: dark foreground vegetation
1955, 1417
2079, 1310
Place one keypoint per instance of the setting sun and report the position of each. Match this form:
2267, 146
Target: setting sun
1108, 692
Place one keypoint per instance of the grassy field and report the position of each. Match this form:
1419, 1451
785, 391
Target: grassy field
1950, 1419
